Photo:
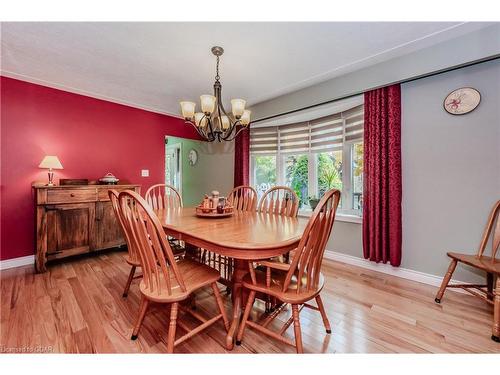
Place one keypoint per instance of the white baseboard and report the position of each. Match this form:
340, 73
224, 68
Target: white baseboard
404, 273
17, 262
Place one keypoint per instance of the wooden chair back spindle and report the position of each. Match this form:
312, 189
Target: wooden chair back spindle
243, 198
157, 258
280, 200
495, 243
131, 245
162, 196
306, 263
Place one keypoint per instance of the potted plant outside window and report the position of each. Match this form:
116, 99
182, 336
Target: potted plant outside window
313, 202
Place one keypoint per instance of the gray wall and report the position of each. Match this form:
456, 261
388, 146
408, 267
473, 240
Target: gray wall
451, 167
470, 47
451, 171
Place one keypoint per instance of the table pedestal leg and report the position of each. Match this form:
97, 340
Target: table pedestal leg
240, 270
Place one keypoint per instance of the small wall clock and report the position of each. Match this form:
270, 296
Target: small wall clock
462, 101
192, 157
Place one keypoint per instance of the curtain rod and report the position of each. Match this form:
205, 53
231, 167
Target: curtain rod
426, 75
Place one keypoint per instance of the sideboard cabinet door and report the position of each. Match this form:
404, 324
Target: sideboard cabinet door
70, 229
109, 232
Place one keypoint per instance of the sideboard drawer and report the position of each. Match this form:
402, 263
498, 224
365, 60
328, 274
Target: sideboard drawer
71, 195
103, 192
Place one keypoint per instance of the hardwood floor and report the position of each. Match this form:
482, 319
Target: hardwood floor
77, 306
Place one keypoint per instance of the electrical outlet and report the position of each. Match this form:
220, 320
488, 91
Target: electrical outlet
145, 173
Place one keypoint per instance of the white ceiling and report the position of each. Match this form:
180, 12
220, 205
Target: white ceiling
155, 65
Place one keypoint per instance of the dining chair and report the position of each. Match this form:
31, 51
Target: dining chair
165, 280
296, 283
243, 198
133, 257
279, 200
163, 196
489, 292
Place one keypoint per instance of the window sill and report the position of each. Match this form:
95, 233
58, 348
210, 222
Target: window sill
338, 217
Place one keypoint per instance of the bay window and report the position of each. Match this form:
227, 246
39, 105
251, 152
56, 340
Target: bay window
264, 173
312, 157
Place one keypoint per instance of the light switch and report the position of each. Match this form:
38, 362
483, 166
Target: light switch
145, 173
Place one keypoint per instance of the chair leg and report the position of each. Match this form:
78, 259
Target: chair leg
129, 281
220, 304
489, 284
321, 307
142, 312
172, 327
268, 304
246, 314
296, 328
495, 335
446, 280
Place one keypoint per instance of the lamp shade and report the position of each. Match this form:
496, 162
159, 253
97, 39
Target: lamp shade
50, 162
245, 118
188, 109
200, 119
238, 106
225, 122
207, 103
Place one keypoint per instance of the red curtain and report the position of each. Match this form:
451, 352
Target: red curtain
242, 158
382, 176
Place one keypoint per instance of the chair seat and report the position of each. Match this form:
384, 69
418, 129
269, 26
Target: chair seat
195, 276
276, 288
132, 262
485, 263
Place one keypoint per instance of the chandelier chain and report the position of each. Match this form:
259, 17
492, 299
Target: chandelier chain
217, 77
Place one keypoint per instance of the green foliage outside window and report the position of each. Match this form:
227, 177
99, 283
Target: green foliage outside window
265, 170
358, 159
329, 173
297, 176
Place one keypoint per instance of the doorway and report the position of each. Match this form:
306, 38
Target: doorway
173, 165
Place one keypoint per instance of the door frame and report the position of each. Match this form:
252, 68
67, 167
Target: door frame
170, 147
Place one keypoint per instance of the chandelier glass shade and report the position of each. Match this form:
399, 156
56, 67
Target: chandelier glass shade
213, 123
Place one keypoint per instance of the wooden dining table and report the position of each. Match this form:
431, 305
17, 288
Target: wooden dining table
244, 236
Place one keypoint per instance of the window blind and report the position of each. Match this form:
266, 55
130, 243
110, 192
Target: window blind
264, 140
327, 133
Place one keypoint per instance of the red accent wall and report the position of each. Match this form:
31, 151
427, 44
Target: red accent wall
91, 137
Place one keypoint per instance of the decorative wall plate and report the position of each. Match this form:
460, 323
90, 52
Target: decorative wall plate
193, 157
462, 101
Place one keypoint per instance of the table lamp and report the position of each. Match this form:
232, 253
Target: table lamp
50, 162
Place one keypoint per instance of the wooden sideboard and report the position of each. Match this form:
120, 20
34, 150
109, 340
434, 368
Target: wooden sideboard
75, 219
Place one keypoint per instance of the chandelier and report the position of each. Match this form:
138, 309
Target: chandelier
213, 122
